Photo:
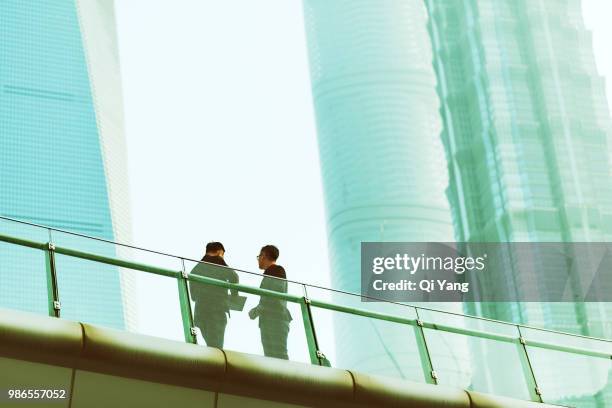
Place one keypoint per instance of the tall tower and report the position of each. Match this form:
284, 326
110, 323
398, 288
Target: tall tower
378, 125
382, 160
62, 153
527, 134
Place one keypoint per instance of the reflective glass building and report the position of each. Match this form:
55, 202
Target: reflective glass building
525, 130
62, 151
382, 160
527, 134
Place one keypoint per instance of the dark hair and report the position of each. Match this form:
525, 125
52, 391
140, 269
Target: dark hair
270, 251
214, 247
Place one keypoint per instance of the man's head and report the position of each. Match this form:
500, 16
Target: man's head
267, 256
215, 249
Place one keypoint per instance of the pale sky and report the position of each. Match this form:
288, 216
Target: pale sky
221, 132
220, 127
221, 145
597, 15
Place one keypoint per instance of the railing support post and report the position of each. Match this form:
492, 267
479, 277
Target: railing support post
187, 316
316, 357
428, 371
52, 289
534, 391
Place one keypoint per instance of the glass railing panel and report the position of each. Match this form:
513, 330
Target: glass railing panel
149, 301
568, 340
466, 322
482, 364
23, 279
354, 300
278, 323
567, 378
24, 231
367, 344
117, 251
120, 298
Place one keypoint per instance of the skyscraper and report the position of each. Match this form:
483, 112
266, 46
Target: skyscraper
382, 161
527, 135
62, 152
378, 124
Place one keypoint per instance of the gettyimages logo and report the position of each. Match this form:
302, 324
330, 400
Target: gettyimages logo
414, 264
492, 272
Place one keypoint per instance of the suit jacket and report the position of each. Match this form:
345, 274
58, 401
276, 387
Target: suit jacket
271, 308
209, 297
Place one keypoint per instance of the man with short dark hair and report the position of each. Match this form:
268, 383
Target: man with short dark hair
274, 317
212, 302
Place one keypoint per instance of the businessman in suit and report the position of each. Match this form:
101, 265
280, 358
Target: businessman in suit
274, 317
212, 303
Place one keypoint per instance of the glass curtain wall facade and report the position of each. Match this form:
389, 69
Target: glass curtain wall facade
382, 161
527, 134
62, 151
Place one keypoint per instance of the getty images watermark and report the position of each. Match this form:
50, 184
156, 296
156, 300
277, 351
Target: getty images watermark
451, 272
425, 264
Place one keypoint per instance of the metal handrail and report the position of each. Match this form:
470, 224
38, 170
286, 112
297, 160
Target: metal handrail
294, 298
316, 356
39, 245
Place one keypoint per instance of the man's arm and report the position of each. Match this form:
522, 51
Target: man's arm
275, 284
254, 312
233, 278
195, 287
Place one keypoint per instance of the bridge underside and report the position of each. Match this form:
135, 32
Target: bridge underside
100, 367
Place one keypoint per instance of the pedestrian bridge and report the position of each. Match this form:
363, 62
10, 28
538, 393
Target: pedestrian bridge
98, 367
393, 355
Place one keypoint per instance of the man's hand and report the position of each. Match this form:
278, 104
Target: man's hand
253, 313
